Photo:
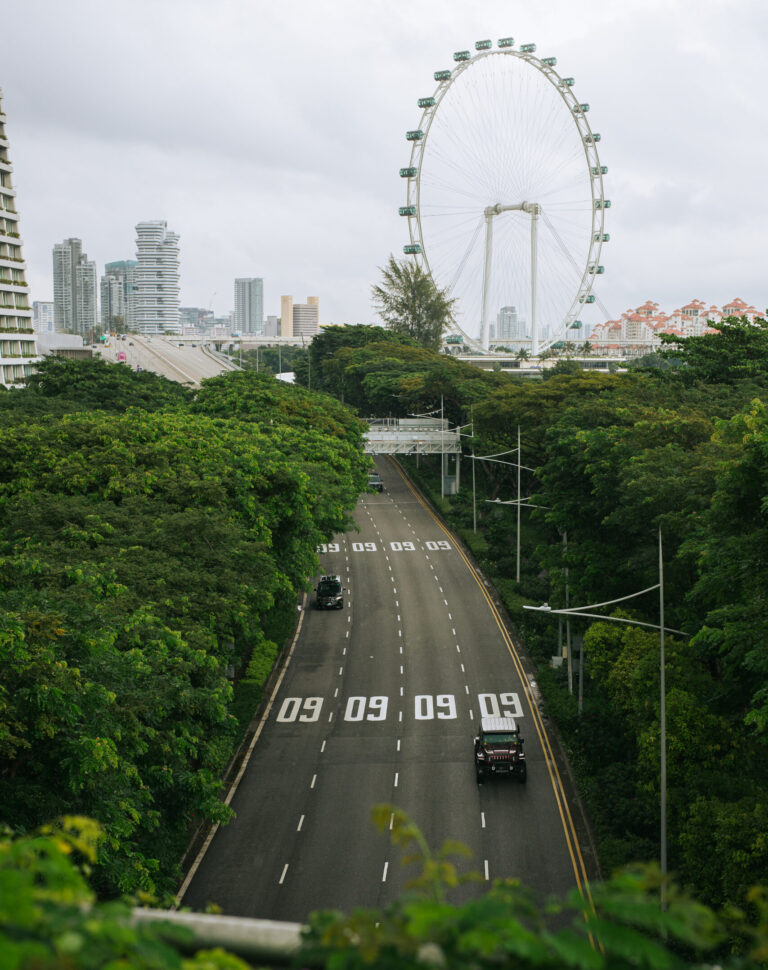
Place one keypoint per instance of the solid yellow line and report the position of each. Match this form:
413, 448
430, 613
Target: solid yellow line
569, 829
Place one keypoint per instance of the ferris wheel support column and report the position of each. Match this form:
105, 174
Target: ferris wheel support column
534, 209
489, 214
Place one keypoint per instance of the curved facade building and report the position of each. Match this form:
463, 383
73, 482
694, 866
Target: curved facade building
157, 279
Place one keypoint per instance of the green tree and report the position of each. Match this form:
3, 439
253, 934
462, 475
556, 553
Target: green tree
409, 302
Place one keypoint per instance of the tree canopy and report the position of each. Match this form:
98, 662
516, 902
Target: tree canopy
409, 303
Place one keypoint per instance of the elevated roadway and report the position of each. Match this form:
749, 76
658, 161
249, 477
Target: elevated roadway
185, 362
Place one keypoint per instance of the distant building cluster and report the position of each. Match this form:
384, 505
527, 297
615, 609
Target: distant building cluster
639, 331
143, 295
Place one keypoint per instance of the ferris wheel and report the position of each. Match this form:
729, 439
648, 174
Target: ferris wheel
505, 200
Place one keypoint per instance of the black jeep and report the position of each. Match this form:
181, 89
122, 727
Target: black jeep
330, 593
499, 750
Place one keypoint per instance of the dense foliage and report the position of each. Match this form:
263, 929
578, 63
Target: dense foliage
147, 553
682, 449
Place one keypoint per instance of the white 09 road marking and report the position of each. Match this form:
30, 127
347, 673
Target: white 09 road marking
426, 707
433, 545
425, 704
500, 705
307, 709
356, 709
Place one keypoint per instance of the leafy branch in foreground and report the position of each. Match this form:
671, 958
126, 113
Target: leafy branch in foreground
622, 925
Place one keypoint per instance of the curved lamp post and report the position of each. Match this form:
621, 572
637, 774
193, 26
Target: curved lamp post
584, 611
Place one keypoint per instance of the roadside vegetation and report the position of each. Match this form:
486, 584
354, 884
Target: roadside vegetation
152, 546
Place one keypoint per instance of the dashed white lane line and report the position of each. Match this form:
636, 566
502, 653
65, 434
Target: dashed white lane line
462, 669
471, 715
282, 876
458, 648
398, 748
384, 874
312, 783
400, 715
391, 821
453, 631
397, 777
330, 716
341, 671
487, 877
322, 748
482, 819
401, 670
301, 822
401, 691
466, 689
336, 692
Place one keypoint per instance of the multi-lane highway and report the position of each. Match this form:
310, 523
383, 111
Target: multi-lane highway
378, 704
187, 364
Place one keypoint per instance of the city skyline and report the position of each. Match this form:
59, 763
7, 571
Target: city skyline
315, 170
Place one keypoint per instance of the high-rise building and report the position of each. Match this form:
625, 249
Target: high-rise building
299, 319
75, 304
508, 325
249, 305
86, 284
42, 316
156, 294
117, 295
18, 347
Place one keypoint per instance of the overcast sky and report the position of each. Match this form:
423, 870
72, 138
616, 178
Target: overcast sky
269, 134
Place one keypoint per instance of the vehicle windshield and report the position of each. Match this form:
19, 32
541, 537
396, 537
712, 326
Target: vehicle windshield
329, 587
509, 738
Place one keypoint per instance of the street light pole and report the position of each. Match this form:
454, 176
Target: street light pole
519, 460
582, 611
663, 717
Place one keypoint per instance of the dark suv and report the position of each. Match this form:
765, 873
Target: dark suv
499, 750
330, 593
374, 482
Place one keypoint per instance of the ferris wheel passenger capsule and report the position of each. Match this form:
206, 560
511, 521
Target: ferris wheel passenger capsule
591, 138
599, 169
576, 325
602, 237
598, 270
415, 135
407, 210
549, 61
567, 82
483, 45
412, 249
409, 173
581, 108
426, 102
602, 203
462, 55
506, 42
587, 299
527, 48
442, 75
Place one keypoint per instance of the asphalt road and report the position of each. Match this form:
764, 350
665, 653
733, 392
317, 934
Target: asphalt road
379, 704
187, 364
